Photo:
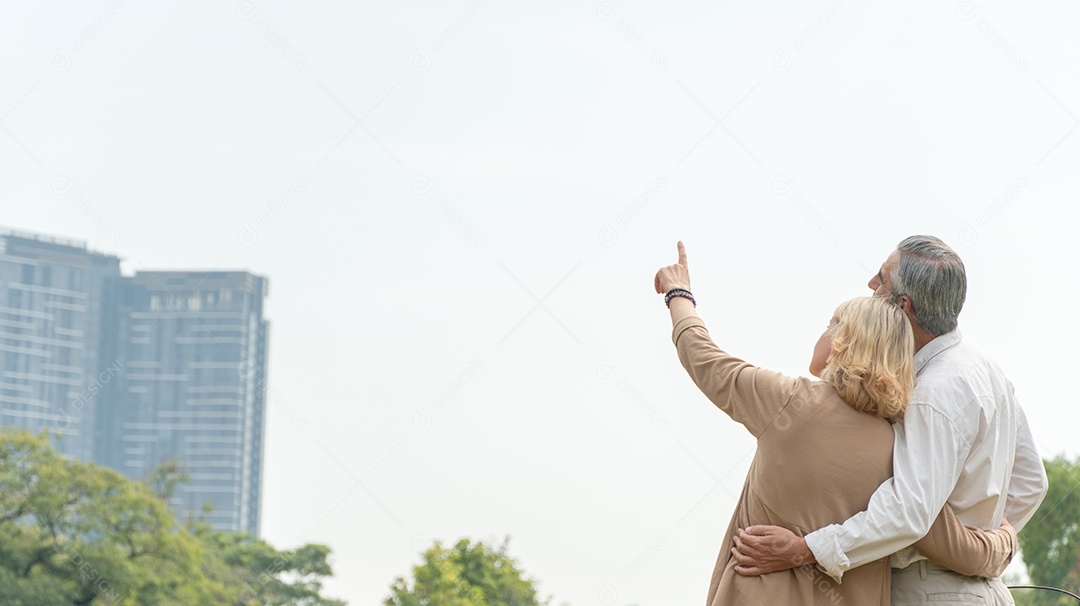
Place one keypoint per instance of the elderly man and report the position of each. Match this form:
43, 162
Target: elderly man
964, 440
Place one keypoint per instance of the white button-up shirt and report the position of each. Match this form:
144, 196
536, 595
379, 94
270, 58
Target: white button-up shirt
963, 440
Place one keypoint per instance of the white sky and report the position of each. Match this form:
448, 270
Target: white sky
459, 175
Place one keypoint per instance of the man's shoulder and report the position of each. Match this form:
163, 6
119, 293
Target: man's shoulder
961, 365
957, 378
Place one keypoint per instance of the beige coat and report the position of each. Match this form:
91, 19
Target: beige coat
818, 461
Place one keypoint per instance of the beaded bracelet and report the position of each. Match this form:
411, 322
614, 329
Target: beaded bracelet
678, 292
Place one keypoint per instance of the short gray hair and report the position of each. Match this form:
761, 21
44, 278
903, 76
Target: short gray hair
933, 276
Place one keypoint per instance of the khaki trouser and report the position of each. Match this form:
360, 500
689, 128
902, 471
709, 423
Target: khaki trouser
925, 582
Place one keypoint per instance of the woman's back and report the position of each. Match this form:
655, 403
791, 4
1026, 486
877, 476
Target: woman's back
817, 463
823, 458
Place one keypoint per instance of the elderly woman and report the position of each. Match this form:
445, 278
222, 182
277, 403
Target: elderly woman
823, 447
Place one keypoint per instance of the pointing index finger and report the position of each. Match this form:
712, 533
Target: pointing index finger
682, 254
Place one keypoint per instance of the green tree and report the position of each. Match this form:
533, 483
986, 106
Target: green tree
257, 574
467, 574
1050, 542
73, 533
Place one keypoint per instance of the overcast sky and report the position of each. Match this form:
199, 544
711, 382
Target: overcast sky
461, 205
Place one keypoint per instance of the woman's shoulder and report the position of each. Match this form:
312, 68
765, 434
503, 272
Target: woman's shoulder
815, 400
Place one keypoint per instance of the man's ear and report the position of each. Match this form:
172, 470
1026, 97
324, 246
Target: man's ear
906, 304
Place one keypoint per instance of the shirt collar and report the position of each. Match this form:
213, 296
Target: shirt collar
933, 348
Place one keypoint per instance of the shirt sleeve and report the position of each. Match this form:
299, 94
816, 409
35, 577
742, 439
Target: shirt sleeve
968, 550
926, 466
749, 395
1027, 485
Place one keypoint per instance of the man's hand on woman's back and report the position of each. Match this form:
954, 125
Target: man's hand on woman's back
764, 549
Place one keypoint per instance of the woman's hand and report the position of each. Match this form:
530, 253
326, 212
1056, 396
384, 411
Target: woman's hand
673, 276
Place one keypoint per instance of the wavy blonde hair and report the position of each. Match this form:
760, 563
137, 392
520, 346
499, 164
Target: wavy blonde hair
871, 360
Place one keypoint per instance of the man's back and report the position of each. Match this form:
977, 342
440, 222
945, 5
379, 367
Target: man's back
959, 389
955, 443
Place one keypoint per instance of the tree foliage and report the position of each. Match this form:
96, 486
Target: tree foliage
74, 533
467, 574
1050, 542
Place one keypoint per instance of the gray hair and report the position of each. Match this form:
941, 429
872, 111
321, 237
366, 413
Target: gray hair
933, 276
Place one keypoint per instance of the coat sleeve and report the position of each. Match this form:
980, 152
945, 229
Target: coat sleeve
750, 395
968, 550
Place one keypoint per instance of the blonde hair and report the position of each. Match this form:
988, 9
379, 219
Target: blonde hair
871, 360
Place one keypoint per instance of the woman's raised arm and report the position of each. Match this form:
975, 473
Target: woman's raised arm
750, 395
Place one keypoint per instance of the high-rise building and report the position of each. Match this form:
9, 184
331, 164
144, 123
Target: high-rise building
134, 371
193, 345
57, 337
